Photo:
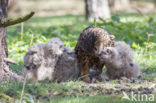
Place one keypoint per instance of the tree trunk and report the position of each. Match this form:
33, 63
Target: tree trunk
125, 3
11, 4
155, 2
97, 9
111, 3
121, 4
117, 4
5, 72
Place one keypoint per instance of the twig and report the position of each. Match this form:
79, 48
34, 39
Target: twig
147, 41
22, 27
31, 42
95, 22
10, 61
22, 30
24, 82
139, 11
9, 22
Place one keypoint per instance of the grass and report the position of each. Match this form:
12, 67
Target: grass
70, 92
130, 28
97, 99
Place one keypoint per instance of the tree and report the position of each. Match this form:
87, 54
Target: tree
97, 9
155, 2
3, 47
119, 4
5, 72
11, 4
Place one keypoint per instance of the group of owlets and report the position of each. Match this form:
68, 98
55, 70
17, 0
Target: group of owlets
95, 49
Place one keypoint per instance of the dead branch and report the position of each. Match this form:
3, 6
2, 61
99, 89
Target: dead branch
138, 10
10, 61
9, 22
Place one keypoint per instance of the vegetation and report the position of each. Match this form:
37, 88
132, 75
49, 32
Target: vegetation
138, 31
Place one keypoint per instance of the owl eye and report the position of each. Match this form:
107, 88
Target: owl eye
27, 67
131, 64
34, 66
108, 51
61, 46
95, 48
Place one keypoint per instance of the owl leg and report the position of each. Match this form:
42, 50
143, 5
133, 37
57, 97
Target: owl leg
99, 77
84, 67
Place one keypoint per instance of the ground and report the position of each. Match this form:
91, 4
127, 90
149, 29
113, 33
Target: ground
129, 27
